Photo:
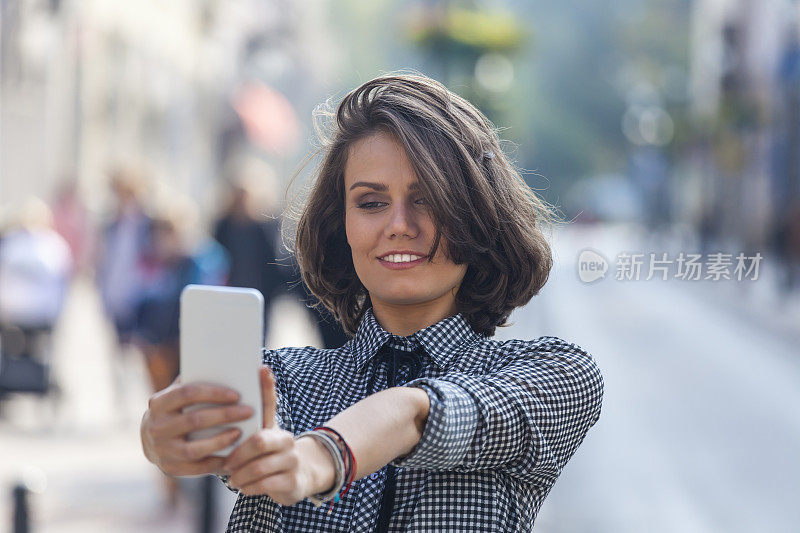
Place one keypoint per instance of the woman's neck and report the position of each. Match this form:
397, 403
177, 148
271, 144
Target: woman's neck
405, 319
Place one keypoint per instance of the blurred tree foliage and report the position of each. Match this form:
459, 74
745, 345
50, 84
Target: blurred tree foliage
655, 41
466, 30
563, 110
590, 59
455, 38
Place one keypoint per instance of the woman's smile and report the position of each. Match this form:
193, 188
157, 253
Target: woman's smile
401, 260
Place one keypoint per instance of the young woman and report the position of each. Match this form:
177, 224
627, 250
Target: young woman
421, 238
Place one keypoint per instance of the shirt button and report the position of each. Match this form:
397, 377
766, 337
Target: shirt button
374, 475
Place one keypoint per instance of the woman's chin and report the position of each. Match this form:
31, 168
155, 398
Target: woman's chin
401, 299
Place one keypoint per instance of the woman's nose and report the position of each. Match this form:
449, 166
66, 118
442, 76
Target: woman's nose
401, 222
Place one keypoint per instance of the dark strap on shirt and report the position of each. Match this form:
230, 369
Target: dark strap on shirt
396, 360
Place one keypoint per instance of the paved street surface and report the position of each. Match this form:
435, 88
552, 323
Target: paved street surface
700, 428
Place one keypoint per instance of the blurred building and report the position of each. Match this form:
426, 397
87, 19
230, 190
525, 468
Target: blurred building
89, 84
739, 110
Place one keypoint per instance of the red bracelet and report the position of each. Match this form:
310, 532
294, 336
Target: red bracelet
347, 453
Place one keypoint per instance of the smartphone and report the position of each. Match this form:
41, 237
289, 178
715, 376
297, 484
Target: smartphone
221, 336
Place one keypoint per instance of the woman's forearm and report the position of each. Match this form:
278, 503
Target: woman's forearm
383, 426
378, 429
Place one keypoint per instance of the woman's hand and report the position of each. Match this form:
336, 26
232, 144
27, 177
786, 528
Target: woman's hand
164, 428
272, 462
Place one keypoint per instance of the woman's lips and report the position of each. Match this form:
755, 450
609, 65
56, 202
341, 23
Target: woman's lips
404, 265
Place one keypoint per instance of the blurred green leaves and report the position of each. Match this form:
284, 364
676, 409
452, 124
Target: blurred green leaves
473, 30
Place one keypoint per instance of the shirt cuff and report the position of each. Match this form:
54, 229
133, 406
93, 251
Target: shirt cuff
449, 430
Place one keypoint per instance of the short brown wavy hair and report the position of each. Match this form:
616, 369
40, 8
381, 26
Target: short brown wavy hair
480, 204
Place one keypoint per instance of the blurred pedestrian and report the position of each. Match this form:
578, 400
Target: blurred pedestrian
252, 239
71, 221
120, 251
330, 330
249, 236
118, 259
35, 268
166, 268
786, 241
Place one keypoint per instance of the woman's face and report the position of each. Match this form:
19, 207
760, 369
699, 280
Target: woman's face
390, 229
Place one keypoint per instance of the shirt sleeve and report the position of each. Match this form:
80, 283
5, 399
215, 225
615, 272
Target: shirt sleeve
527, 418
283, 415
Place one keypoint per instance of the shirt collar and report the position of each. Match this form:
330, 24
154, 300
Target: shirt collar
442, 340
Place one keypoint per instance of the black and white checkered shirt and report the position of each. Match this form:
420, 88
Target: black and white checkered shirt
505, 418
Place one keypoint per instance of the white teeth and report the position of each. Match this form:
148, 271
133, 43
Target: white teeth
401, 258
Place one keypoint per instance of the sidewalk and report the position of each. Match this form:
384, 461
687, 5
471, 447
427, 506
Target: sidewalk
83, 454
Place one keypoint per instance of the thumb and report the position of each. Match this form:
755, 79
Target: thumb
269, 397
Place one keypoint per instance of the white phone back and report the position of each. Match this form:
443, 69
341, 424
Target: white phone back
221, 335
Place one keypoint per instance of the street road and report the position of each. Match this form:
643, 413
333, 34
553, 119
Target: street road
700, 427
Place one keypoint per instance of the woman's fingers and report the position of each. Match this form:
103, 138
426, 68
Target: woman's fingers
179, 425
196, 468
178, 450
177, 397
281, 487
269, 397
267, 441
263, 466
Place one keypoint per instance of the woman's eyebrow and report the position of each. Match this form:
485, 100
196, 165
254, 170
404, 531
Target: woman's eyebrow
381, 186
371, 185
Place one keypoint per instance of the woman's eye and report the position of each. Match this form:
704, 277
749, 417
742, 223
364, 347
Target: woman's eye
369, 205
376, 205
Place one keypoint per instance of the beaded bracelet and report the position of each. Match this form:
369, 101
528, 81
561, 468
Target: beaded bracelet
347, 453
338, 463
